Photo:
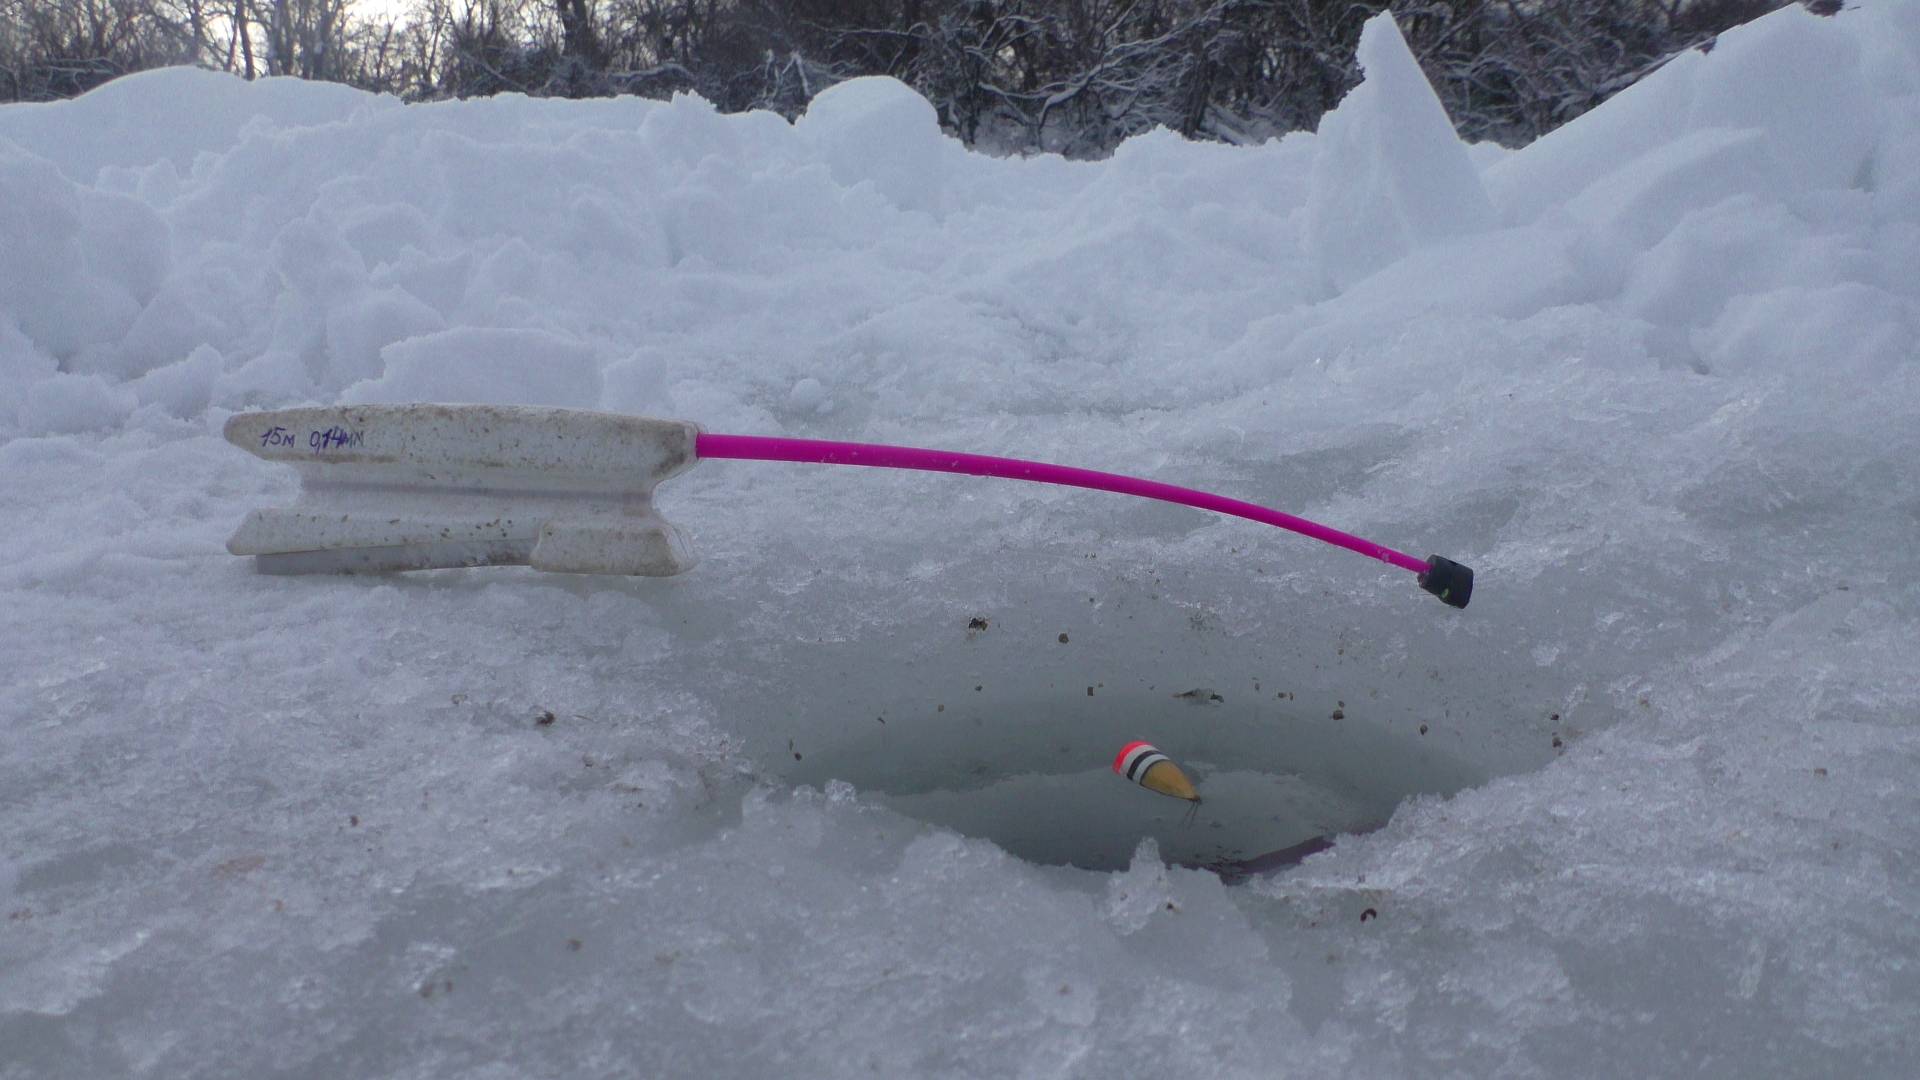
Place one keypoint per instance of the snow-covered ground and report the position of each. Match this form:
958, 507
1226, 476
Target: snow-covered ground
1650, 805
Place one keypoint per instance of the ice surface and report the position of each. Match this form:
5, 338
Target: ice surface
825, 805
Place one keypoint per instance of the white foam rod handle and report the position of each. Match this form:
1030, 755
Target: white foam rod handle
414, 487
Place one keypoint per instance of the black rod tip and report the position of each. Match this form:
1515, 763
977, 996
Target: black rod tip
1448, 580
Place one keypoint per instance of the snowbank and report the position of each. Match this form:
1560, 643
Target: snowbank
1648, 805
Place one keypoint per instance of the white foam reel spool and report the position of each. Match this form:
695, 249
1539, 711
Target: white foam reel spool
415, 487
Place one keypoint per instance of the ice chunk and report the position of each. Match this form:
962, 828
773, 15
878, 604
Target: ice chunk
486, 366
1889, 39
1796, 77
1642, 201
1389, 173
21, 366
809, 395
183, 388
173, 115
1510, 272
1139, 893
1838, 330
382, 233
1792, 79
313, 259
1545, 173
638, 385
1743, 245
1895, 174
360, 325
124, 243
64, 404
880, 130
46, 285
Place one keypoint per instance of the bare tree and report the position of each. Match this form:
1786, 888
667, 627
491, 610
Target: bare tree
58, 48
1073, 76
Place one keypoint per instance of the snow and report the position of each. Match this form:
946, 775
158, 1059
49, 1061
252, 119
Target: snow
483, 365
1646, 807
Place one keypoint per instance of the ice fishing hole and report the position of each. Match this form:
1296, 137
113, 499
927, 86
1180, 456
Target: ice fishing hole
975, 714
1033, 773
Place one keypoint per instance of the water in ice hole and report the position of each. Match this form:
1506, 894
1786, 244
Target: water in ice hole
978, 717
1034, 776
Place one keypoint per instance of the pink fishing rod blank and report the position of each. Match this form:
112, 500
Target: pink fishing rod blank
875, 455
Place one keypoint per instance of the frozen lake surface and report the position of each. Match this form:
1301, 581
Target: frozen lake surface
837, 801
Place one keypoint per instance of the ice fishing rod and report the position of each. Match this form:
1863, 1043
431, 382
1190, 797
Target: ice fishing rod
420, 486
1444, 578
